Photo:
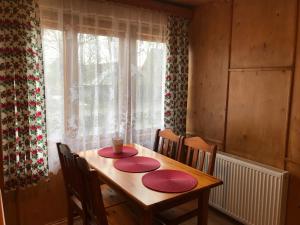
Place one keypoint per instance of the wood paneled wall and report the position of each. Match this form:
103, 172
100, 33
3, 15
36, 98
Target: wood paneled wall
244, 83
42, 204
257, 115
208, 76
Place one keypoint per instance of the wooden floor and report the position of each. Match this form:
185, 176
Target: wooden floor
214, 218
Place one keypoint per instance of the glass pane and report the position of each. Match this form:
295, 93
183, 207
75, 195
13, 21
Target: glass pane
98, 73
52, 54
149, 96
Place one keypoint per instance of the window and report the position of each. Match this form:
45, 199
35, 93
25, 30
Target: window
100, 86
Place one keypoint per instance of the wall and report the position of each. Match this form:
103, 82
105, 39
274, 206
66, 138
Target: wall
37, 205
244, 82
208, 77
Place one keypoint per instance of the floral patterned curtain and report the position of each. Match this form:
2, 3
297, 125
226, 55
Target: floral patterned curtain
23, 133
176, 86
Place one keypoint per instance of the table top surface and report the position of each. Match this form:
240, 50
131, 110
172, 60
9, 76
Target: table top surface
131, 183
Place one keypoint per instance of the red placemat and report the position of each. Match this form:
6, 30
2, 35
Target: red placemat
108, 152
169, 181
137, 164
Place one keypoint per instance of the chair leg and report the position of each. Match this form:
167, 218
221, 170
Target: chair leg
85, 221
70, 214
84, 216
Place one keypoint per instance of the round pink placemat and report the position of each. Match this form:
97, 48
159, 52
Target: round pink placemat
169, 181
137, 164
108, 152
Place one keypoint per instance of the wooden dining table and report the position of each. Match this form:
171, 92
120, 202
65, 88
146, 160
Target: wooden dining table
152, 202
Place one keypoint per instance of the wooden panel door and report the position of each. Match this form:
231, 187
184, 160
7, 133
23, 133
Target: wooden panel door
257, 115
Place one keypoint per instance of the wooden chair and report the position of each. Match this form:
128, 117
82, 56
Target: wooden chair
167, 143
72, 186
195, 153
97, 214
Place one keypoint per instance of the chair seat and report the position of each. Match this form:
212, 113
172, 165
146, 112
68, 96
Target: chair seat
175, 213
111, 197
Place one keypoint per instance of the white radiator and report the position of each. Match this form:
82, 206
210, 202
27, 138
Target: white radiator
252, 193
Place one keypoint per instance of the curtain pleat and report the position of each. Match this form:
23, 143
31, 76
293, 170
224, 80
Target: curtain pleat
176, 84
23, 127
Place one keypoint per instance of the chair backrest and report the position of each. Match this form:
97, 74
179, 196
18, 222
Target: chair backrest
69, 169
196, 151
167, 143
91, 194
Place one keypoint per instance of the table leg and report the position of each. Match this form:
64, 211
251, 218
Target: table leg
147, 217
203, 207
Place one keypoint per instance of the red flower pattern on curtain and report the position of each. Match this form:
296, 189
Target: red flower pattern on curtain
176, 85
22, 102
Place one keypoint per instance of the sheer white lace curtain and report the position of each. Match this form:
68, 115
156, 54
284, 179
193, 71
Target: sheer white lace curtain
105, 70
